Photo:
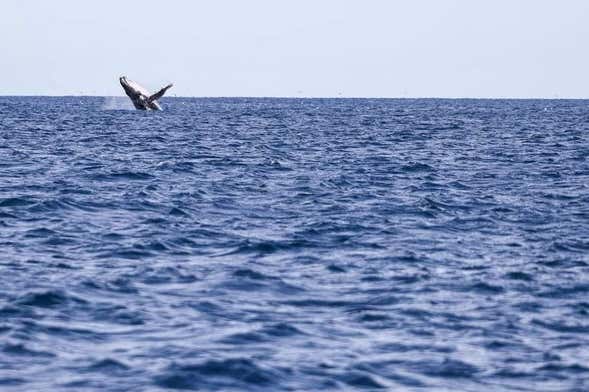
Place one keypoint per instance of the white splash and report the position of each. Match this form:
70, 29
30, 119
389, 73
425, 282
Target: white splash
117, 103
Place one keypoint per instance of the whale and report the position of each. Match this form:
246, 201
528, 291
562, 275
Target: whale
142, 99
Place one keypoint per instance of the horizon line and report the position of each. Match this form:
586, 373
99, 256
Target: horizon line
301, 97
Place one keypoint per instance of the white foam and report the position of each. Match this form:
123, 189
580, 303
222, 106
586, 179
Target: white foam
117, 103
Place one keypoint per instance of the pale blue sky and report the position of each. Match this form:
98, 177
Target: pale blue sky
354, 48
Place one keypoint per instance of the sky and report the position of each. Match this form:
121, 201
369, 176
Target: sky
298, 48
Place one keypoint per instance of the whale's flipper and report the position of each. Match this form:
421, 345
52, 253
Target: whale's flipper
159, 94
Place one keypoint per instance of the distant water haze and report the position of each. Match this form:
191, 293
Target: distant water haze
328, 48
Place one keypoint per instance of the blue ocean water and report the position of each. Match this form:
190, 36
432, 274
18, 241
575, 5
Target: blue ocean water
294, 245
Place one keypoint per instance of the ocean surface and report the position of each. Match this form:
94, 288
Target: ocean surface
294, 245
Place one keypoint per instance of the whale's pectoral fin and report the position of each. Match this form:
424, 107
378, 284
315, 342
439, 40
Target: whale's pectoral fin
159, 94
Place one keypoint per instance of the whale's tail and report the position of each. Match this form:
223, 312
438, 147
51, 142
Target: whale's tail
159, 94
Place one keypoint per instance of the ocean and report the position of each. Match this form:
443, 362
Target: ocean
294, 245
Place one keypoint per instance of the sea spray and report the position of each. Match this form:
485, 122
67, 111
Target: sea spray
116, 103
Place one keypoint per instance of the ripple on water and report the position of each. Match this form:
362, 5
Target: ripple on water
49, 299
20, 349
217, 374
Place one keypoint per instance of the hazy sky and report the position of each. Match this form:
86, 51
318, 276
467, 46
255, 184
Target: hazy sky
370, 48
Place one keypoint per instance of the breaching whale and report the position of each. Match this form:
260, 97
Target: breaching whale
141, 98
